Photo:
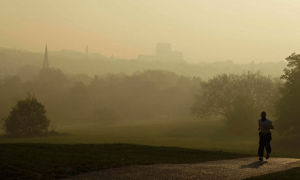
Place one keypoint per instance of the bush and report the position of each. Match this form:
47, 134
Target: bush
27, 118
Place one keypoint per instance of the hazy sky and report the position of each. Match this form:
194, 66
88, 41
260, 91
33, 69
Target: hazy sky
204, 30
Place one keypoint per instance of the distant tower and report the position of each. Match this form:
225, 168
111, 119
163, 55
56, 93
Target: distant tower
46, 63
87, 51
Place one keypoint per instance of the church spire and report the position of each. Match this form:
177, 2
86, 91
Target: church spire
46, 63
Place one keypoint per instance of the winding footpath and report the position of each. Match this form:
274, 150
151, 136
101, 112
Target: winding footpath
211, 170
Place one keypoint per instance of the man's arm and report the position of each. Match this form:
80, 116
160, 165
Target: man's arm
271, 125
259, 125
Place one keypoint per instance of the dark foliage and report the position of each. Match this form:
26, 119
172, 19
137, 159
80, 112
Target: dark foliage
104, 100
27, 118
238, 99
288, 106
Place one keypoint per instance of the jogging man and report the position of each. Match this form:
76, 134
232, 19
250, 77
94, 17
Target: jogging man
265, 136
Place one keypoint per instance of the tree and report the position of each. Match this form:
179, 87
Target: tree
27, 118
288, 106
238, 99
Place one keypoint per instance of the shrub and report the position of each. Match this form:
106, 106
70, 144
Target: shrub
27, 118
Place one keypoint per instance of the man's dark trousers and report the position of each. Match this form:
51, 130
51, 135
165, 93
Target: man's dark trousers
264, 142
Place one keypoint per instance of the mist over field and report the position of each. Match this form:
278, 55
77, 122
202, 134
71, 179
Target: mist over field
148, 100
172, 73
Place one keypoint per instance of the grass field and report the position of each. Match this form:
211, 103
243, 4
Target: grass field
194, 134
186, 134
89, 149
50, 161
292, 174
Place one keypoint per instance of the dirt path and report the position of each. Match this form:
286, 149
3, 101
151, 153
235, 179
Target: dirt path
224, 169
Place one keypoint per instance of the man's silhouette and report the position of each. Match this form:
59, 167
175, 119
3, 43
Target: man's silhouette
265, 136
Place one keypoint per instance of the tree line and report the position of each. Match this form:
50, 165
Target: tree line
155, 96
143, 97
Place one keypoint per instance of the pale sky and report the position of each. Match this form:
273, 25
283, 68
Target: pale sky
204, 30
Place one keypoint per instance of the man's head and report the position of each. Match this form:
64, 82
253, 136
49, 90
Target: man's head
263, 115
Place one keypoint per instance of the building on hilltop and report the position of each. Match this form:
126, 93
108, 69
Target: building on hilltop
163, 49
164, 53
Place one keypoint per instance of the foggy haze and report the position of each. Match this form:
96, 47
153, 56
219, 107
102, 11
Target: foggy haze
90, 85
204, 30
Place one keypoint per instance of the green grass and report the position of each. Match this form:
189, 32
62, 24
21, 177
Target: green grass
190, 134
93, 148
291, 174
50, 161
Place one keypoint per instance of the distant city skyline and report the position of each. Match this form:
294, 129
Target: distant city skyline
203, 30
152, 56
